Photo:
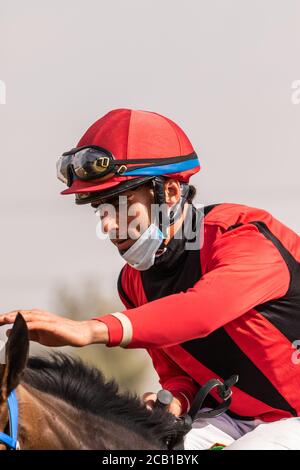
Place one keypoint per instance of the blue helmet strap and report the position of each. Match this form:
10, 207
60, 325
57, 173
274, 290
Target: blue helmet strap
11, 440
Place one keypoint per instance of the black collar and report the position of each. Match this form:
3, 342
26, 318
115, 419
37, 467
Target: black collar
176, 252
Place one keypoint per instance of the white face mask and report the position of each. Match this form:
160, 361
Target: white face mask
141, 255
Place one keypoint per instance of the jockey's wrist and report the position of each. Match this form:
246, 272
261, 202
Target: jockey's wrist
98, 332
119, 328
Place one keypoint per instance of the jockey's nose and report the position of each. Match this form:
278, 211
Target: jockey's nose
110, 226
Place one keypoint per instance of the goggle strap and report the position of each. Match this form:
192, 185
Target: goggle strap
140, 161
158, 161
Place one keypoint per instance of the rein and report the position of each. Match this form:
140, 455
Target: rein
224, 391
164, 399
11, 439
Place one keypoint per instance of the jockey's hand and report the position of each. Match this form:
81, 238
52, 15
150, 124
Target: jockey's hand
53, 330
149, 398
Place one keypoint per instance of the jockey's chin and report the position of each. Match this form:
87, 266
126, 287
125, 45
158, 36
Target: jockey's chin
123, 245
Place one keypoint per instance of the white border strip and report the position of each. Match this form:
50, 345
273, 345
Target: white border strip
127, 328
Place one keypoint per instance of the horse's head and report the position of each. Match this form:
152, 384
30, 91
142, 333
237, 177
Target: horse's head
17, 348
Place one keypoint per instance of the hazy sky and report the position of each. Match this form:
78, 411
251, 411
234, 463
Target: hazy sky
222, 69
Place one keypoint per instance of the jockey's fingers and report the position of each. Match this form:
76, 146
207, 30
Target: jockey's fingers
35, 327
149, 404
7, 317
148, 396
10, 317
23, 311
28, 315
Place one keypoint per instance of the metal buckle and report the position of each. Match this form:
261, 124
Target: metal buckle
121, 170
104, 161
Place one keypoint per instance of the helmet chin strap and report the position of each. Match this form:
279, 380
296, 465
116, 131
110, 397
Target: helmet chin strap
152, 242
159, 198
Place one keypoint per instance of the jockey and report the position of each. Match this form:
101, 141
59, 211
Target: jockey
208, 292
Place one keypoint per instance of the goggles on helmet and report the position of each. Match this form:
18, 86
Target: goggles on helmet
87, 163
91, 162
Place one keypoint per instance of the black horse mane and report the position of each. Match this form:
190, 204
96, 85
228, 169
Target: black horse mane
85, 388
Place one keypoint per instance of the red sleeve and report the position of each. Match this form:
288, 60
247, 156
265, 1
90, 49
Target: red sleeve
173, 378
245, 270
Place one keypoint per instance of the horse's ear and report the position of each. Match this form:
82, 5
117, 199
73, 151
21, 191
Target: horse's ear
16, 353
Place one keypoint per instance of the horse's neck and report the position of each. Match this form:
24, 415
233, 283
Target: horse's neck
47, 422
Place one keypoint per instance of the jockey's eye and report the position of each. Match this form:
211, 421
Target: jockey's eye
114, 201
120, 201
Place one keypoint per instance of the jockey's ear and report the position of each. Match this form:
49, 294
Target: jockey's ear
172, 191
16, 353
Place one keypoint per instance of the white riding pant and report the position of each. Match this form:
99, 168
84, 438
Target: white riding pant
238, 434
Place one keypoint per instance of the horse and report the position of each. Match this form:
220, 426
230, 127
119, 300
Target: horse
62, 403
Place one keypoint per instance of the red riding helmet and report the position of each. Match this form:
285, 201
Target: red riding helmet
124, 149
